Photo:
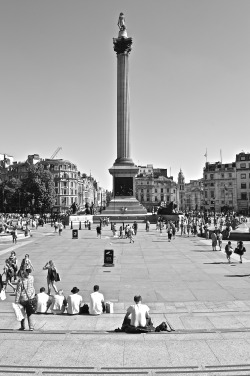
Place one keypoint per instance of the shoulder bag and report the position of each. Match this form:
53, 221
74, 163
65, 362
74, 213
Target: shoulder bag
32, 303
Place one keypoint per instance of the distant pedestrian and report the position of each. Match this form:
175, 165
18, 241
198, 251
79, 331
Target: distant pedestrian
229, 251
60, 228
135, 227
240, 250
130, 234
99, 231
170, 232
14, 235
147, 226
219, 238
214, 240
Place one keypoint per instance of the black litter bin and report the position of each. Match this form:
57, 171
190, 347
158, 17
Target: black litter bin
108, 257
74, 234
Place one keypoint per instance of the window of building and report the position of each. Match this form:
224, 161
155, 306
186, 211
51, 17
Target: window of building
162, 198
155, 190
243, 185
71, 184
243, 196
156, 199
64, 192
212, 194
205, 194
147, 190
65, 184
222, 176
161, 190
243, 176
242, 158
243, 165
205, 177
147, 198
174, 190
142, 190
167, 198
211, 176
167, 190
222, 202
142, 198
212, 184
230, 184
147, 182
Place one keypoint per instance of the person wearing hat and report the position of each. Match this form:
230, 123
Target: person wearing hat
74, 302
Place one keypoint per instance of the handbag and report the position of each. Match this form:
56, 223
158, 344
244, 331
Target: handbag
58, 278
31, 305
2, 294
19, 311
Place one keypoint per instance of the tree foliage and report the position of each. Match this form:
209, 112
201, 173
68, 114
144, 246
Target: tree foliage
35, 193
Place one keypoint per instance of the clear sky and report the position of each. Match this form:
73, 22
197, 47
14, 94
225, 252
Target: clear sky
189, 81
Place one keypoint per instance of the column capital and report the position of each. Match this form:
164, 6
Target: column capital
122, 45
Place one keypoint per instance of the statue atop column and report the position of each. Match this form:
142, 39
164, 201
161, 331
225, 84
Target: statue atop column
122, 26
121, 22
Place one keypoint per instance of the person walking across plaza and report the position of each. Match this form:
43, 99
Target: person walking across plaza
52, 276
9, 273
229, 251
219, 238
25, 292
214, 240
170, 232
97, 305
99, 231
60, 228
130, 234
26, 264
135, 227
240, 250
14, 235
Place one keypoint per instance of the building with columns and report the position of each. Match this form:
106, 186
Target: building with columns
194, 195
181, 191
243, 182
220, 186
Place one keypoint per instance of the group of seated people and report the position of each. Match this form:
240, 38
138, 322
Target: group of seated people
72, 305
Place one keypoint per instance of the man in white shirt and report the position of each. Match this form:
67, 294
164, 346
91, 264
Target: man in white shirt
96, 302
43, 301
74, 302
138, 313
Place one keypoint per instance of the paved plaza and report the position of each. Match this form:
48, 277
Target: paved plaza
204, 298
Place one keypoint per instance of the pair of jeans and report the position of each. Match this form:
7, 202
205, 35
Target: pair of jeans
29, 316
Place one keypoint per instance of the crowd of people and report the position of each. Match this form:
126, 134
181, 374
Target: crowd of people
137, 315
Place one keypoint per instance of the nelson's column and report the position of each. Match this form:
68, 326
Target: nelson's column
124, 169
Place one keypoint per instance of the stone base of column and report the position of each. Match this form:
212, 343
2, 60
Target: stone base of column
124, 206
124, 201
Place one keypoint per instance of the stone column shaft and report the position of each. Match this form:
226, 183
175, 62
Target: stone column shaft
123, 115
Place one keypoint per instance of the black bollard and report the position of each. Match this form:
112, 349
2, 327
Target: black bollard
80, 225
71, 226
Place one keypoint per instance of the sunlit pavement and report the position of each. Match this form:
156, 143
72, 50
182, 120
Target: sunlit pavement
204, 298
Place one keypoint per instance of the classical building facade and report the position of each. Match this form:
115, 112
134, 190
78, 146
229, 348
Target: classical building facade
70, 185
220, 186
243, 182
181, 192
154, 187
194, 195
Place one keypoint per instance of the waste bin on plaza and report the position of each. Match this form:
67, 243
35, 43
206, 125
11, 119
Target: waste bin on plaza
108, 257
74, 234
109, 307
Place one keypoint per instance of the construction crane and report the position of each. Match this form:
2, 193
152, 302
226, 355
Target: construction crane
56, 152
